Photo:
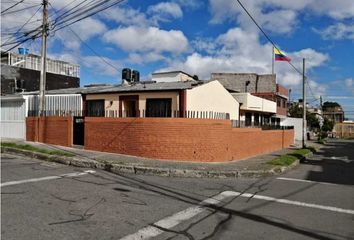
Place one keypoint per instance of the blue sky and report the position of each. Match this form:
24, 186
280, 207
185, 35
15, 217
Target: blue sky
201, 37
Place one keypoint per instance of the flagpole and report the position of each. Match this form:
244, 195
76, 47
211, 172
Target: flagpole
273, 60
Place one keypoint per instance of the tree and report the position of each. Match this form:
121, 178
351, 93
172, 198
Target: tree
327, 125
328, 105
295, 111
312, 121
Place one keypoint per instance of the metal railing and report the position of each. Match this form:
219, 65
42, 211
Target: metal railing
138, 113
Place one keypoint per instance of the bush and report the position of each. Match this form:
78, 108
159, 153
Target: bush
36, 149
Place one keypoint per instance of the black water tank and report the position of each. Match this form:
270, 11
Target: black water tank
135, 76
127, 74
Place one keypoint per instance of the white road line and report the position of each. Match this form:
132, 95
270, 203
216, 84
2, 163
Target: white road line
307, 181
177, 218
75, 174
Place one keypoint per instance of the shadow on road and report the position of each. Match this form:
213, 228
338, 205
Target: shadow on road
336, 161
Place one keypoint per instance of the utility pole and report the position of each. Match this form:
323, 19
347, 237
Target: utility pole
304, 104
42, 82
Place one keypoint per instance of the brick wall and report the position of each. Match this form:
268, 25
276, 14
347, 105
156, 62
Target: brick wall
181, 139
52, 130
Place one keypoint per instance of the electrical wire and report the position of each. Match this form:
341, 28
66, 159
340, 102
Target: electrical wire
22, 9
12, 6
265, 34
92, 50
18, 31
63, 25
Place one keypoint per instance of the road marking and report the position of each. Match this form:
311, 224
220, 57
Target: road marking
75, 174
307, 181
175, 219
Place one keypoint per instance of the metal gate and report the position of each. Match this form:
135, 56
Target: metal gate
13, 115
79, 131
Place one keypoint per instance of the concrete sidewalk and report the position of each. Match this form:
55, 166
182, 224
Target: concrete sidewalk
118, 163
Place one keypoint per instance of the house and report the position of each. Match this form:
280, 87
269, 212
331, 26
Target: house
263, 86
173, 76
335, 114
254, 111
344, 129
188, 98
21, 73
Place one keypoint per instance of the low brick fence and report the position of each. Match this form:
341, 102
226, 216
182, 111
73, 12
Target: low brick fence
52, 130
182, 139
202, 140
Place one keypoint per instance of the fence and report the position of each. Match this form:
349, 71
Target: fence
138, 113
263, 126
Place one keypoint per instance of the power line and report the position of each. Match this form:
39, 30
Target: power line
265, 34
24, 24
88, 46
19, 10
12, 6
62, 24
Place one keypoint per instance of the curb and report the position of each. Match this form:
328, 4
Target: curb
156, 171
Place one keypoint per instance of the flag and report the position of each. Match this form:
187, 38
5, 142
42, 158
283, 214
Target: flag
280, 56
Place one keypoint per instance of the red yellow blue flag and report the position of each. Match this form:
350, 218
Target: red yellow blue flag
280, 56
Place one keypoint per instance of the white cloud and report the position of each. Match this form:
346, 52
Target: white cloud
127, 16
349, 83
145, 57
85, 29
278, 16
240, 50
165, 11
99, 67
312, 57
338, 31
139, 39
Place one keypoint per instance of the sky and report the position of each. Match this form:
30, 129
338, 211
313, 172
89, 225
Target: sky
201, 37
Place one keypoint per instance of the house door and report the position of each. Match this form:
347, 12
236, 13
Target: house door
79, 131
129, 106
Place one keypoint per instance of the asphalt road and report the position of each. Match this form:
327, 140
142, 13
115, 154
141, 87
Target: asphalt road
41, 200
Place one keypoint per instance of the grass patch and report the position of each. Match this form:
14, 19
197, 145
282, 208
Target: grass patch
36, 149
289, 158
321, 141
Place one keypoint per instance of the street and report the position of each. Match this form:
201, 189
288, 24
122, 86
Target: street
44, 200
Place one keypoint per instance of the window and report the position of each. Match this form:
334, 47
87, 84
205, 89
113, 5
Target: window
159, 107
248, 119
278, 102
256, 119
95, 108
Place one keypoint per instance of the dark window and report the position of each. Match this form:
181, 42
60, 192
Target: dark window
278, 102
159, 107
256, 119
95, 108
248, 119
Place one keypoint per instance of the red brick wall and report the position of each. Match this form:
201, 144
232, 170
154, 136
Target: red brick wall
52, 130
181, 139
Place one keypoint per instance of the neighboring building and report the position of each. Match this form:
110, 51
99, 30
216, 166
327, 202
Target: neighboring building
315, 110
344, 129
254, 111
263, 86
21, 73
335, 114
296, 123
173, 76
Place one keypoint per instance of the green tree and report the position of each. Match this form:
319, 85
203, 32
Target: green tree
329, 105
312, 121
295, 111
327, 125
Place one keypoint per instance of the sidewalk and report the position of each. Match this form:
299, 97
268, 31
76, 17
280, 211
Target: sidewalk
118, 163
